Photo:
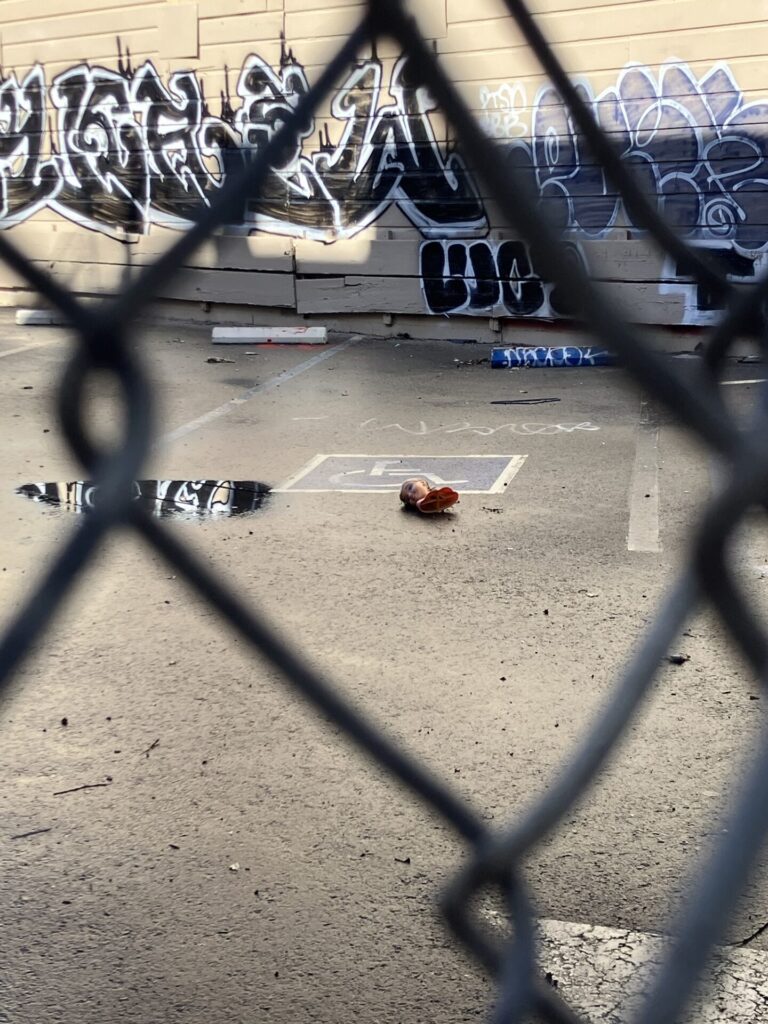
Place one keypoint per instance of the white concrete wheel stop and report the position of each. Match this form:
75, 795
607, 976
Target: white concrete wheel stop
270, 336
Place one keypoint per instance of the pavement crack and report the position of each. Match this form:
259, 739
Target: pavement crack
755, 935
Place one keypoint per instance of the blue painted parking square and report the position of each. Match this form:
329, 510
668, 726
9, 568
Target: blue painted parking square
382, 474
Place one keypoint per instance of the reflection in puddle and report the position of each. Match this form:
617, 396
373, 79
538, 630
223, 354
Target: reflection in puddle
164, 497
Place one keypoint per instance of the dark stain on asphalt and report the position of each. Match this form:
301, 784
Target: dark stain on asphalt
526, 401
240, 382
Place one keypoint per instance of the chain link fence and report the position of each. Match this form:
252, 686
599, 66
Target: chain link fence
494, 864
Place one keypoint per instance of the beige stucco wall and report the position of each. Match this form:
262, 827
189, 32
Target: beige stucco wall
681, 84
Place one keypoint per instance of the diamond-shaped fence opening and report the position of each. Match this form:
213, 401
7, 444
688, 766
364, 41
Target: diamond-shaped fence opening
496, 855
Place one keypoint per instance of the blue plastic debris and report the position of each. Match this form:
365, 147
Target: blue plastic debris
542, 356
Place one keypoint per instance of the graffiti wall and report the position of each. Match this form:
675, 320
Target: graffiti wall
696, 146
124, 149
378, 210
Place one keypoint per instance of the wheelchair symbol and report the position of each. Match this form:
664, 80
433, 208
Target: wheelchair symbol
390, 473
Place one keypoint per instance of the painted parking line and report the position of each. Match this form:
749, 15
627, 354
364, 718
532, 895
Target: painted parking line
383, 474
27, 348
759, 380
603, 973
259, 389
643, 534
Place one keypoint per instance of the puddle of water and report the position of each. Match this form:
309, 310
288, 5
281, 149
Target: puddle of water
163, 497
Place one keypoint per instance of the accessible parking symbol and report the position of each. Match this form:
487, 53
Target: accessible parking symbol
383, 474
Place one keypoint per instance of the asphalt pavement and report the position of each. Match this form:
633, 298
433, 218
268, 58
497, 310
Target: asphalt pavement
231, 857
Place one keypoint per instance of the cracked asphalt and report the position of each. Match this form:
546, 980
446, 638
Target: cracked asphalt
233, 858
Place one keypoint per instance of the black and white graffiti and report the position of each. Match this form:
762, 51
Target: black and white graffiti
128, 150
162, 497
696, 145
28, 179
489, 278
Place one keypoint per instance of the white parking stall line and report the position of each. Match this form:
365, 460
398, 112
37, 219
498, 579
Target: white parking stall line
26, 348
288, 484
643, 532
258, 389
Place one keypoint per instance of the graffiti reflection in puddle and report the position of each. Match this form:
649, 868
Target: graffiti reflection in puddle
162, 497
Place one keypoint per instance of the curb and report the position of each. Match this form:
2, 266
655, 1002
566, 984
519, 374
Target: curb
269, 336
542, 356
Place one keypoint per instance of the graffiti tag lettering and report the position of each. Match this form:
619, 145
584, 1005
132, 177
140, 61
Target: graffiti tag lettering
696, 146
466, 427
494, 278
129, 151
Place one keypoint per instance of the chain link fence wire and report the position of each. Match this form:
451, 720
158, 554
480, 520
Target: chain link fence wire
494, 857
